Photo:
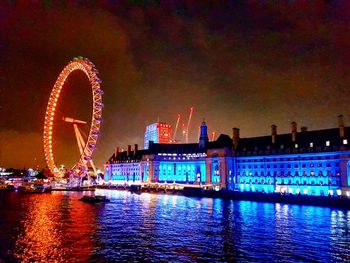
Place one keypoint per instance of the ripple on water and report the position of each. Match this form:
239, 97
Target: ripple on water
165, 228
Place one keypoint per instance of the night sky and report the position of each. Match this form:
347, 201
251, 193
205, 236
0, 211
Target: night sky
243, 64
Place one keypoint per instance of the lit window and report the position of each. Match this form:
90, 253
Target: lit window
311, 144
328, 143
345, 141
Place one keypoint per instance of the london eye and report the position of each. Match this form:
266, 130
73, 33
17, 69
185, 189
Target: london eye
86, 146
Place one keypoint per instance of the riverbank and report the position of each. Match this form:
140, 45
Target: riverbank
192, 191
325, 201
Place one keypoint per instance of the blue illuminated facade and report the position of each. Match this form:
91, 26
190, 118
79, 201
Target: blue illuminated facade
313, 174
306, 163
177, 168
160, 167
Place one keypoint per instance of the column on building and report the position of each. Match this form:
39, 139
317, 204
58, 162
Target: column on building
107, 169
231, 173
148, 168
142, 171
155, 171
150, 171
208, 170
223, 172
344, 173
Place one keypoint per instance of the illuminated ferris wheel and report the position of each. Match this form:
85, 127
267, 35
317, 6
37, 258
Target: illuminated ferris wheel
86, 147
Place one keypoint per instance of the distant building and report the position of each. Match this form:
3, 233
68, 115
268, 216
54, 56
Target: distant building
305, 162
159, 132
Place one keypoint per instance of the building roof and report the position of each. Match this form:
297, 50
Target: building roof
307, 141
155, 148
222, 141
124, 157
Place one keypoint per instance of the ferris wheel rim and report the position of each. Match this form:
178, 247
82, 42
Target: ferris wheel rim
91, 72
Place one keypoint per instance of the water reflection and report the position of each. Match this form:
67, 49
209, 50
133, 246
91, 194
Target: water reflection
168, 228
41, 238
340, 236
51, 228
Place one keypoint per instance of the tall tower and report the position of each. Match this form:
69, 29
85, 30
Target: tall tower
203, 139
159, 132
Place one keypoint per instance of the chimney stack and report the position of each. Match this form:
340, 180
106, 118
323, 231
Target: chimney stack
341, 126
136, 148
294, 131
116, 152
303, 129
235, 137
129, 150
273, 133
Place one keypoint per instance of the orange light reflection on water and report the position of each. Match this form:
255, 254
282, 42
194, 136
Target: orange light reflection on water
52, 223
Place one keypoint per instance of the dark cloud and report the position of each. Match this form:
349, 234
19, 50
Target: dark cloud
244, 64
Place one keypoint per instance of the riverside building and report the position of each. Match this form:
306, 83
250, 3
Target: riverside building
305, 162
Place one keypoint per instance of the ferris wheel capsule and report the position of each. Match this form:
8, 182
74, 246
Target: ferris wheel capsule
99, 91
99, 105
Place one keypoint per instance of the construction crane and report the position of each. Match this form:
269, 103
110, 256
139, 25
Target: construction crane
188, 124
177, 124
183, 132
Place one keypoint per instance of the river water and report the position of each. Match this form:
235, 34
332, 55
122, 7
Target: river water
145, 227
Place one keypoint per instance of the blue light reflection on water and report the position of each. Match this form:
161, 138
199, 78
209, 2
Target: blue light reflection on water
190, 229
170, 228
